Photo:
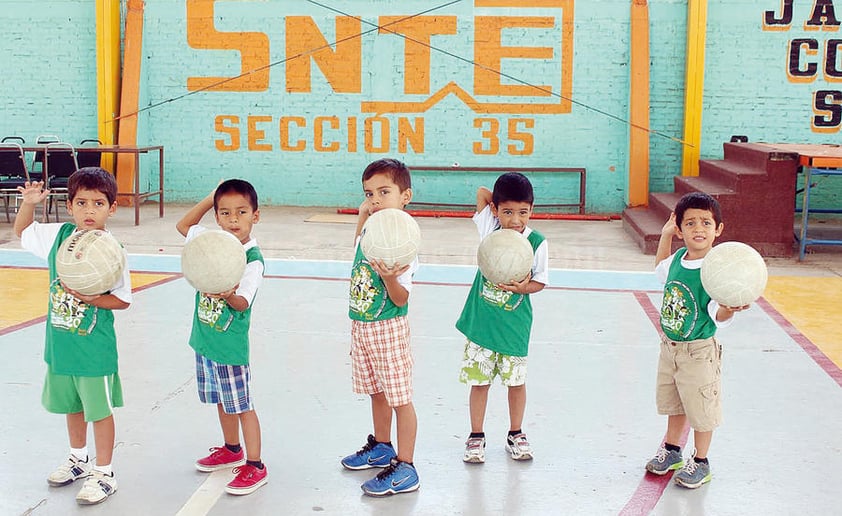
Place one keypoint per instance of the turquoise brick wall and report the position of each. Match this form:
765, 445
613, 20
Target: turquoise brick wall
49, 87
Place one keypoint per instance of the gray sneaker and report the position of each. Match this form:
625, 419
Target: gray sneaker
665, 461
71, 470
693, 474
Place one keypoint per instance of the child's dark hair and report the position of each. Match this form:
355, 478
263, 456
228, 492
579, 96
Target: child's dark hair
512, 186
699, 201
396, 170
92, 178
237, 186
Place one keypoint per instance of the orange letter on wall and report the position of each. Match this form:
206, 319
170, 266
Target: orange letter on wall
341, 67
253, 48
489, 53
416, 52
227, 124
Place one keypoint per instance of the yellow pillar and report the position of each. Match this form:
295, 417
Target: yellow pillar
107, 73
639, 105
694, 86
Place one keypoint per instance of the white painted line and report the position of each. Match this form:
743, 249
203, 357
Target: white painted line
207, 494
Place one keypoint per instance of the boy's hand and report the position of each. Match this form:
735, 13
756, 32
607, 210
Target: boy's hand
88, 299
33, 192
670, 229
518, 287
388, 272
224, 295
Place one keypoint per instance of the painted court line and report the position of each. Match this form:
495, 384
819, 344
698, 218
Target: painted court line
206, 496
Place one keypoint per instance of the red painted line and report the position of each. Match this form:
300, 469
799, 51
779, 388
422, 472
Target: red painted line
651, 487
822, 360
25, 324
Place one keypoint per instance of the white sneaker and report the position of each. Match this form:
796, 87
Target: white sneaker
474, 450
69, 471
518, 447
96, 488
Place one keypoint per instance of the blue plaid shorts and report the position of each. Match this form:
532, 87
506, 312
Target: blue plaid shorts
225, 384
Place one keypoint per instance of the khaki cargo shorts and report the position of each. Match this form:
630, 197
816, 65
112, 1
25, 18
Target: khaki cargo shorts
689, 381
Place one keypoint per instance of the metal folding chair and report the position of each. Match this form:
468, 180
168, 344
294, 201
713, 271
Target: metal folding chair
59, 164
13, 171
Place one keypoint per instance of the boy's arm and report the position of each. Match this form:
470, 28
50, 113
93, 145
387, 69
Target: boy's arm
106, 301
483, 198
397, 293
195, 214
363, 216
32, 195
668, 232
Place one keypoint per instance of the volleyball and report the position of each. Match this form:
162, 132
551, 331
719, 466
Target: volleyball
505, 256
90, 261
213, 261
734, 274
391, 235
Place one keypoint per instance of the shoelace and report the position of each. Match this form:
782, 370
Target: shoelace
244, 471
691, 466
387, 471
661, 456
367, 447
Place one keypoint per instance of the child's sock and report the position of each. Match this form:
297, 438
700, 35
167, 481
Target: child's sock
256, 463
233, 448
672, 447
477, 434
80, 453
105, 470
701, 461
513, 433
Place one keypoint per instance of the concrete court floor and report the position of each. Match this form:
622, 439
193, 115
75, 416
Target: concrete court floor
590, 414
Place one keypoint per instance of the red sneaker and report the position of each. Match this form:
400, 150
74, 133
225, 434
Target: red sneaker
247, 481
220, 458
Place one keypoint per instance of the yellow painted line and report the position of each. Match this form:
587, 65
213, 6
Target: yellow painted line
811, 304
24, 293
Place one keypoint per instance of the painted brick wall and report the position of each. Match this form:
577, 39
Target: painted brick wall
50, 88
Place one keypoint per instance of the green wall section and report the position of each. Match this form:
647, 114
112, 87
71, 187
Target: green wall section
305, 141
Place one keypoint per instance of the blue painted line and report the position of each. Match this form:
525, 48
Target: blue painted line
427, 273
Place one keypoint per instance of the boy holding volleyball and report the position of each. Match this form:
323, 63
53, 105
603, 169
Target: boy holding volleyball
381, 360
689, 367
220, 339
81, 346
497, 319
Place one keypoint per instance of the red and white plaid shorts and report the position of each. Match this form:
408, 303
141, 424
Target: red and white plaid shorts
381, 360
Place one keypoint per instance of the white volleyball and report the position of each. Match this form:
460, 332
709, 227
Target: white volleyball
90, 261
213, 261
391, 235
734, 274
505, 256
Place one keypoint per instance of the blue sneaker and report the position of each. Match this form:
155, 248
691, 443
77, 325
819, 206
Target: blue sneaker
398, 477
372, 455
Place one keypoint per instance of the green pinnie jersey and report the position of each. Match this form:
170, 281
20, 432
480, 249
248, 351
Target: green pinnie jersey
80, 337
221, 333
369, 300
684, 312
497, 319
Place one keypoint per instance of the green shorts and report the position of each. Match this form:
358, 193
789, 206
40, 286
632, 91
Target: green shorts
96, 396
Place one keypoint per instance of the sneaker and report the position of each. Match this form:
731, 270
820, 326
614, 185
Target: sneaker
248, 480
70, 471
518, 447
96, 488
221, 458
398, 477
665, 461
474, 450
371, 455
693, 474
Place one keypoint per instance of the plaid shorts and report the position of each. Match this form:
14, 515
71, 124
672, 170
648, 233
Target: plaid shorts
381, 360
225, 384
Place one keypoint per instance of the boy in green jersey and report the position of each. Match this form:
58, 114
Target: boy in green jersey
220, 338
497, 319
689, 368
81, 346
